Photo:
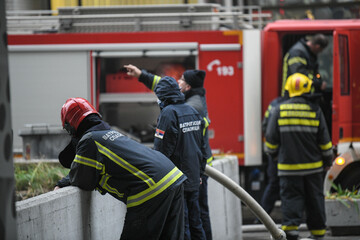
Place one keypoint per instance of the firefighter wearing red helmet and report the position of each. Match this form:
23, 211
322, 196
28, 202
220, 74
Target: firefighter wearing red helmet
105, 160
73, 112
298, 137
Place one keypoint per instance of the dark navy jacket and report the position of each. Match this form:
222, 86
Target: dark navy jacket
298, 134
300, 59
112, 163
180, 129
195, 97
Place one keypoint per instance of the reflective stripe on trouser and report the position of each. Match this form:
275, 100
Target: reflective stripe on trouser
299, 193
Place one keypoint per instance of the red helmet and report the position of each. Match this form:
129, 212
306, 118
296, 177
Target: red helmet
74, 111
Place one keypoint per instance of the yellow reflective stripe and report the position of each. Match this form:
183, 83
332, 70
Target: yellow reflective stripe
300, 166
206, 125
154, 190
296, 121
294, 60
209, 160
295, 106
319, 232
285, 72
124, 164
206, 122
271, 146
266, 115
103, 183
297, 114
325, 146
155, 82
289, 228
89, 162
103, 180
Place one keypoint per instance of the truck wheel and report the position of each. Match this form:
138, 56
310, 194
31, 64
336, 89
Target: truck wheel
350, 180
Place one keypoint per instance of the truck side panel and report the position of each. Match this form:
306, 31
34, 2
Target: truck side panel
224, 86
40, 84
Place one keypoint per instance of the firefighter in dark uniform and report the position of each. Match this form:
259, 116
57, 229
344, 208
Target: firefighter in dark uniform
297, 136
144, 179
191, 85
272, 189
302, 58
179, 135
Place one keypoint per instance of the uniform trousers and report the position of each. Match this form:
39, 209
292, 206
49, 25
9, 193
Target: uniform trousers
204, 206
193, 224
272, 190
299, 194
161, 218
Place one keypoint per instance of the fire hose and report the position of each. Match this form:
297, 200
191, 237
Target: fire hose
258, 211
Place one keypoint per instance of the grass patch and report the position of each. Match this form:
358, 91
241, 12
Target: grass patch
33, 179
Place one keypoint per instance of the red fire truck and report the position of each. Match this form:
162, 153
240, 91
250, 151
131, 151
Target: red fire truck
80, 52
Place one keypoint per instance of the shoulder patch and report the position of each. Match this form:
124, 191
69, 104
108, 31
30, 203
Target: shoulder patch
159, 133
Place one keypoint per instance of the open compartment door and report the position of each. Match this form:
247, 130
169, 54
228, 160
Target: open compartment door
346, 93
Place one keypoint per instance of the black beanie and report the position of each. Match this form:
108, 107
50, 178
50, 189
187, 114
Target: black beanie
195, 78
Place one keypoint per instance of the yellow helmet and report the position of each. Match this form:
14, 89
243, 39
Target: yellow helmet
298, 84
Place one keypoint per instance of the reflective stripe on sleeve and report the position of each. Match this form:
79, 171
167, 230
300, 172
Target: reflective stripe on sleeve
89, 162
124, 164
154, 190
209, 161
271, 146
206, 125
325, 146
300, 166
266, 115
295, 60
155, 82
285, 72
103, 183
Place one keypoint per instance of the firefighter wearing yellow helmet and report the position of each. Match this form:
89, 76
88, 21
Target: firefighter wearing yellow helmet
298, 137
298, 84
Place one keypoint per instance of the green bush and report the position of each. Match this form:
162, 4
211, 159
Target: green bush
35, 179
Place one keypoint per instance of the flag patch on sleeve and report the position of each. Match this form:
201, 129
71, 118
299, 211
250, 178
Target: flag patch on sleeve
159, 133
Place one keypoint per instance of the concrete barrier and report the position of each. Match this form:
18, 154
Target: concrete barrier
70, 213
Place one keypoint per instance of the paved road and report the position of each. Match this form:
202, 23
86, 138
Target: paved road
259, 232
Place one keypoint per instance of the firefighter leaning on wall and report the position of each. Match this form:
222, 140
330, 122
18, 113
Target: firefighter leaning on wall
144, 179
182, 143
298, 137
302, 58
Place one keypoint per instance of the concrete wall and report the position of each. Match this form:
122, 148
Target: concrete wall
70, 213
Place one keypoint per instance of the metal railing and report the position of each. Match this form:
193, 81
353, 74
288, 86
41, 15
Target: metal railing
130, 19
